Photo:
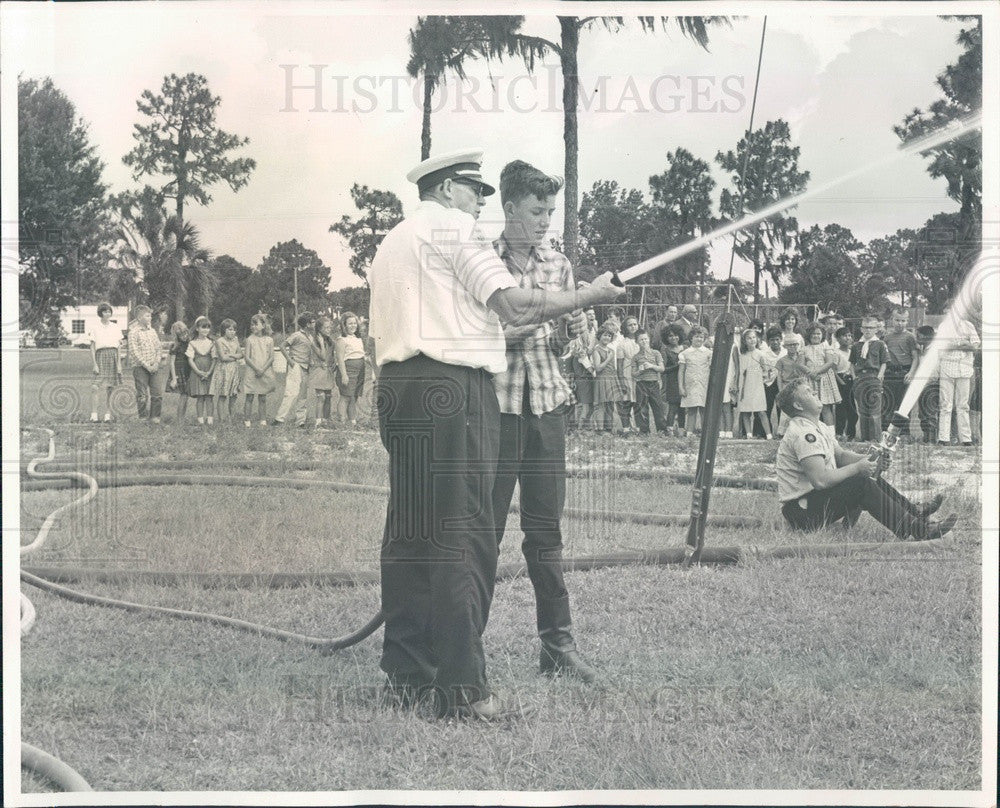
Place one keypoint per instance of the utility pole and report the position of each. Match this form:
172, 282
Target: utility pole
295, 292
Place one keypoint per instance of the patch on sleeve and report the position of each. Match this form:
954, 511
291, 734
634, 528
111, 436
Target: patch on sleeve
810, 437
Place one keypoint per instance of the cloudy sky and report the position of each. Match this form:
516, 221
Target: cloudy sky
840, 80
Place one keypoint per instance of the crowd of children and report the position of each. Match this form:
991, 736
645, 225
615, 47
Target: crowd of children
615, 371
618, 371
216, 369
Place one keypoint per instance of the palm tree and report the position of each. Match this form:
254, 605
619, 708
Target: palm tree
440, 44
567, 50
163, 253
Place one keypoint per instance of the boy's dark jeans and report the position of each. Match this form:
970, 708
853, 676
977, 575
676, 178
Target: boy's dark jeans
846, 411
868, 398
893, 390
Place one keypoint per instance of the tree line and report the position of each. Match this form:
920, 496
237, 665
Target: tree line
78, 243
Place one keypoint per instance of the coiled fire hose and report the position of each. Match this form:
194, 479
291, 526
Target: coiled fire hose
52, 768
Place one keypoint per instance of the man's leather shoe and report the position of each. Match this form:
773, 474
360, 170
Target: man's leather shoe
931, 507
935, 530
569, 663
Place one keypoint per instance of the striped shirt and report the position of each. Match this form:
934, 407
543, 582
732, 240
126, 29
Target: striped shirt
955, 363
533, 360
143, 346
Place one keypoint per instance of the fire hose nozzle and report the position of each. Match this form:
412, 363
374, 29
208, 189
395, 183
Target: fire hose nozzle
885, 447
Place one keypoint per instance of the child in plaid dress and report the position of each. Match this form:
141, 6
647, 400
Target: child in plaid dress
821, 360
227, 378
607, 390
104, 339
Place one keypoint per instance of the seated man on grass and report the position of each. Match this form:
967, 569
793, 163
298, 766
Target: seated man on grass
820, 483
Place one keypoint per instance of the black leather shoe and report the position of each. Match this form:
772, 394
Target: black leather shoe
568, 663
935, 530
931, 507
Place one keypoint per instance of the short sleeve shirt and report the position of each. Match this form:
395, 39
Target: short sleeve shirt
803, 438
299, 348
105, 336
901, 347
869, 365
430, 281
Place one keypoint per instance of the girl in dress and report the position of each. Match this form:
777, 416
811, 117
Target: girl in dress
226, 381
821, 362
349, 352
671, 337
200, 358
321, 367
578, 352
625, 352
748, 392
258, 377
607, 390
180, 371
693, 378
104, 339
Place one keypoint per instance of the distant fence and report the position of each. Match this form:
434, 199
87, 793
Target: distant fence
648, 303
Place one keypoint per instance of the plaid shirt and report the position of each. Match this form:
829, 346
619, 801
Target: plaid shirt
143, 346
534, 360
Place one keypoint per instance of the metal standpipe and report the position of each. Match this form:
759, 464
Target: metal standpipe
717, 377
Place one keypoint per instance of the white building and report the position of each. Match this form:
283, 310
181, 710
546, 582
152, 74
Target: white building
77, 321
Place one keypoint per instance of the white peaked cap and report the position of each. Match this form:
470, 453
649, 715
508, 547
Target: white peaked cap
463, 164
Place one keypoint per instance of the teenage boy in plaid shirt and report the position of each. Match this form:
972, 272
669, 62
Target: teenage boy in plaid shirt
534, 401
145, 354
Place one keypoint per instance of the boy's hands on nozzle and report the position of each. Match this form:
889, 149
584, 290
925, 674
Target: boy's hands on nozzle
604, 289
576, 322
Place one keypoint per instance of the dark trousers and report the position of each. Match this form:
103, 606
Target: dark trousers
868, 399
675, 414
648, 396
928, 405
533, 456
770, 394
149, 389
846, 412
625, 413
847, 500
441, 426
893, 389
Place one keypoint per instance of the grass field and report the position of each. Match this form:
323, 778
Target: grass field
855, 673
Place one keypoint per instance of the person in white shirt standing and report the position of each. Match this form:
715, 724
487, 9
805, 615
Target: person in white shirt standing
955, 381
105, 336
439, 296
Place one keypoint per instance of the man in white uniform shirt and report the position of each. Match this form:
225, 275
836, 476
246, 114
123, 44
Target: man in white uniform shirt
821, 483
439, 294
